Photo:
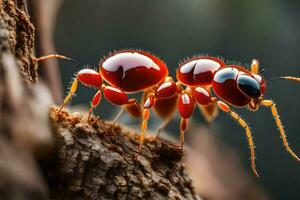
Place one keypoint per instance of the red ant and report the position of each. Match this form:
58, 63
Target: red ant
232, 84
127, 71
131, 71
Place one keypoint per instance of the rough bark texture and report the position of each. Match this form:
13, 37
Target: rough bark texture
98, 160
17, 36
23, 116
91, 160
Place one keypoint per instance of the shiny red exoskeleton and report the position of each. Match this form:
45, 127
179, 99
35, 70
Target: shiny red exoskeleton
233, 85
133, 71
127, 71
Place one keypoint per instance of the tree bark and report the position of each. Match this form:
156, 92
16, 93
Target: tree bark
23, 117
99, 160
66, 157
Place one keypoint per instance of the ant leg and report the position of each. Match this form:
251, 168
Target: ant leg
166, 100
291, 78
57, 56
72, 91
187, 104
206, 105
149, 103
186, 107
272, 105
121, 111
118, 97
95, 102
88, 77
134, 103
165, 108
166, 92
132, 107
255, 66
224, 107
183, 127
162, 126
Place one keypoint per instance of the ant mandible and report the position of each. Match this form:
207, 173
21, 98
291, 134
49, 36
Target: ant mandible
233, 85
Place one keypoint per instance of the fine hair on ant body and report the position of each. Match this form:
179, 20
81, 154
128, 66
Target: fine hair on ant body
131, 71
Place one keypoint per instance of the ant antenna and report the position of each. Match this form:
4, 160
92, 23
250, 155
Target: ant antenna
273, 79
291, 78
56, 56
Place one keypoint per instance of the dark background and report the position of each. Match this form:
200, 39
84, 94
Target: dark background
268, 30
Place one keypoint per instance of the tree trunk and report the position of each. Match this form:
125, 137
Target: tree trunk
99, 160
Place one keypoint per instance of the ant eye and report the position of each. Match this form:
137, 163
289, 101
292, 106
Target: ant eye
248, 85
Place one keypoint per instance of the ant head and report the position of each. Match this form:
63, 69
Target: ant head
252, 85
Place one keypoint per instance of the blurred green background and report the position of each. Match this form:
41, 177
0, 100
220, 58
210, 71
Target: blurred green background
268, 30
